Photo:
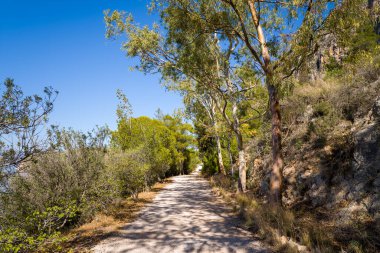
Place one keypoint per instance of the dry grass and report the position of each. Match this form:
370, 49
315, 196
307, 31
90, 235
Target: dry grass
300, 230
284, 229
81, 239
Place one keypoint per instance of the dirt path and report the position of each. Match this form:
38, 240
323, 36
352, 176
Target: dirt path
184, 217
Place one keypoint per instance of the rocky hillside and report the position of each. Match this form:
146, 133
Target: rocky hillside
332, 150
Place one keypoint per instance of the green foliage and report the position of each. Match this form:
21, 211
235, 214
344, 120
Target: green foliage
207, 150
59, 188
77, 175
124, 108
323, 108
149, 135
153, 148
333, 67
191, 160
128, 171
21, 117
14, 240
210, 163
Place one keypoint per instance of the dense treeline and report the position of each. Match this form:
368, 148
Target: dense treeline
75, 175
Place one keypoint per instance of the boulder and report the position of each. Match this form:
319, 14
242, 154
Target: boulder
376, 109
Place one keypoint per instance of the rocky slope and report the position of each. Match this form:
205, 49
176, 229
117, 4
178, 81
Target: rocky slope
332, 153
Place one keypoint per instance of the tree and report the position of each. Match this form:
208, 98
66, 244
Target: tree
160, 145
276, 36
203, 70
208, 104
184, 139
124, 108
20, 120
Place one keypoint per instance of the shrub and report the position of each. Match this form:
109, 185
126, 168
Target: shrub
323, 108
222, 181
129, 171
35, 231
58, 189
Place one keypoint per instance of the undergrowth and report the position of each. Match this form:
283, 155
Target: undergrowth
289, 230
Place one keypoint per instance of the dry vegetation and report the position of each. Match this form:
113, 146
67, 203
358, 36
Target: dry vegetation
286, 230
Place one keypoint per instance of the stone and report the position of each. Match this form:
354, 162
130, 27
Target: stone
308, 113
367, 147
359, 187
376, 183
306, 174
289, 172
340, 196
376, 108
328, 150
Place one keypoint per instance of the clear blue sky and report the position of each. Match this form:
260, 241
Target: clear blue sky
61, 43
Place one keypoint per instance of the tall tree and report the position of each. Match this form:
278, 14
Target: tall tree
195, 102
200, 68
277, 36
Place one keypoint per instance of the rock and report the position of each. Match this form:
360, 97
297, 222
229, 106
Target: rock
359, 187
308, 113
258, 163
318, 194
289, 172
341, 195
328, 150
306, 174
300, 248
376, 183
345, 215
375, 205
367, 147
376, 108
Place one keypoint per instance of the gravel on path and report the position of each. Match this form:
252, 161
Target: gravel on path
184, 217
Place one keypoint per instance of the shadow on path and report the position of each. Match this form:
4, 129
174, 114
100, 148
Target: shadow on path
184, 217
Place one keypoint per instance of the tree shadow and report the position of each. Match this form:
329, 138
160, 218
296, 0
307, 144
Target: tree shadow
185, 217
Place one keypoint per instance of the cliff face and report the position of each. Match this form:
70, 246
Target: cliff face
329, 52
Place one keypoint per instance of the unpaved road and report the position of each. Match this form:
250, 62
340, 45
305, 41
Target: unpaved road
184, 217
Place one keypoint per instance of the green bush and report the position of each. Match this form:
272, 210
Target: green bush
34, 231
323, 108
78, 176
210, 164
59, 188
128, 171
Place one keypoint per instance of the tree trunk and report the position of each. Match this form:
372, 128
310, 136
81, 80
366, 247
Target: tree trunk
276, 175
220, 156
230, 154
217, 138
242, 184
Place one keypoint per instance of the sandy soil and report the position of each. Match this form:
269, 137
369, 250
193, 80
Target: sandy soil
183, 217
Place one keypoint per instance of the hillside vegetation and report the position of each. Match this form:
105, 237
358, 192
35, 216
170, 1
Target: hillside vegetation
284, 100
77, 175
284, 97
